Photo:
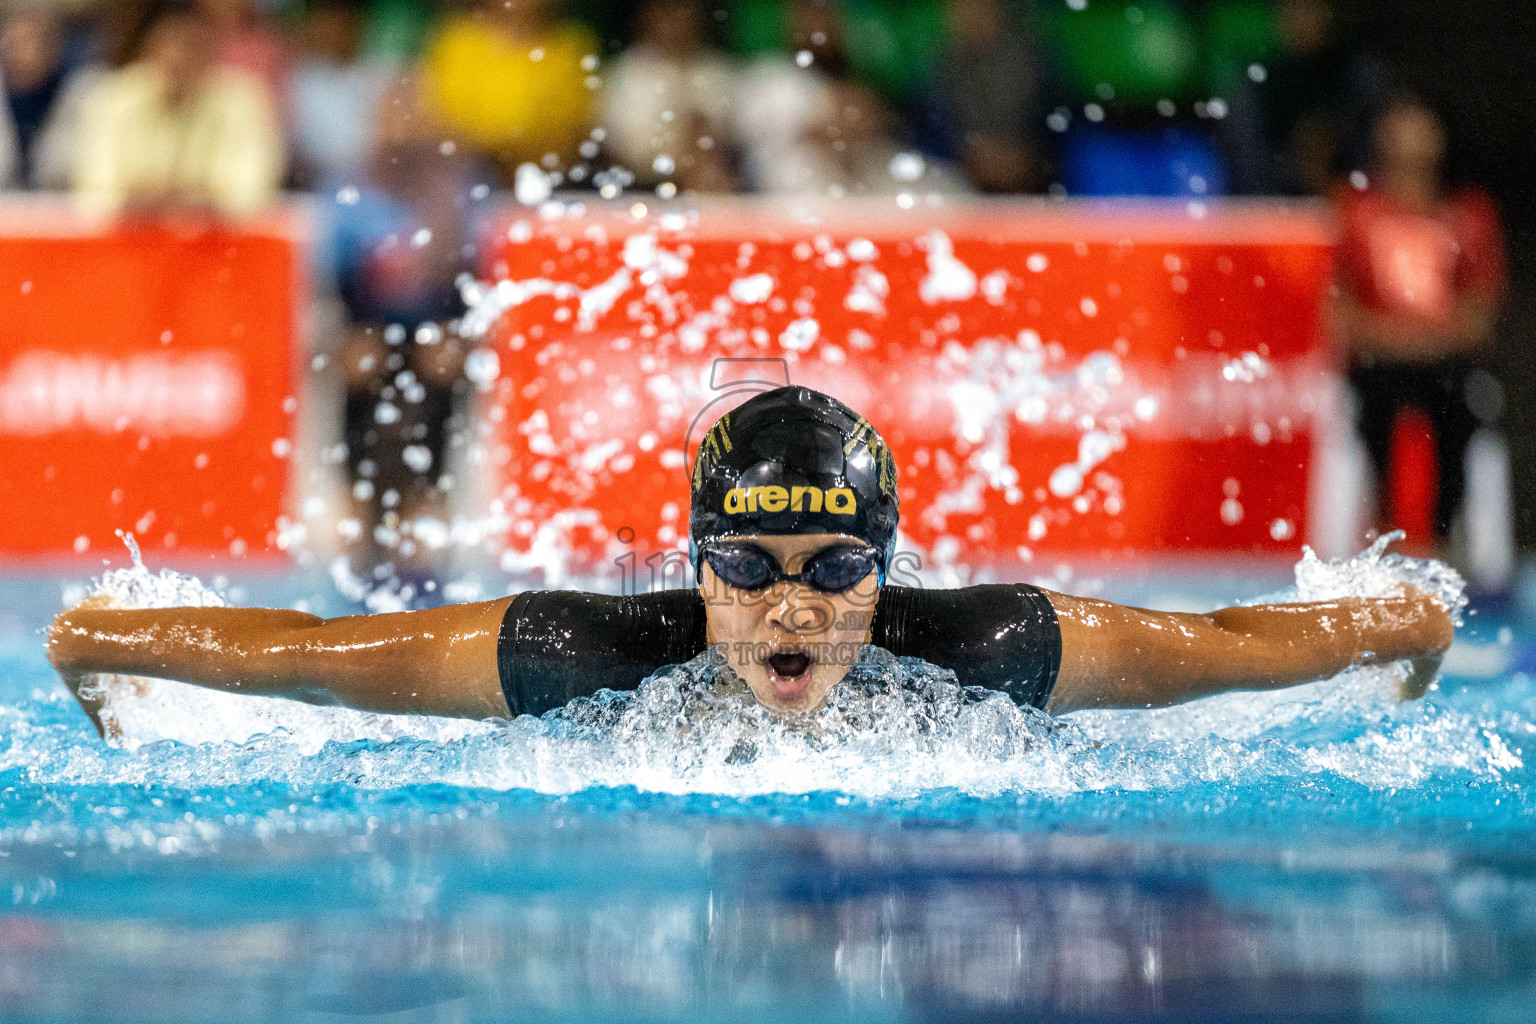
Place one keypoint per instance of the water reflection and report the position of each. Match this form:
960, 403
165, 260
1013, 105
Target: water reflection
499, 919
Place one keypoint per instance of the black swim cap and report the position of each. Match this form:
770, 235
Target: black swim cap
793, 460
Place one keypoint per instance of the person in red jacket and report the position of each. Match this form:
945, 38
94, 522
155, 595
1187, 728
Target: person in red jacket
1421, 278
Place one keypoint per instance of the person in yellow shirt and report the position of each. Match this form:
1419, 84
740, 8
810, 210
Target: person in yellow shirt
171, 131
514, 82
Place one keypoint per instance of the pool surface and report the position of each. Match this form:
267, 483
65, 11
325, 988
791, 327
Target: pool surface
1321, 852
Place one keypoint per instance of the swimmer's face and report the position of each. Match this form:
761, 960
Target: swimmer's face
790, 642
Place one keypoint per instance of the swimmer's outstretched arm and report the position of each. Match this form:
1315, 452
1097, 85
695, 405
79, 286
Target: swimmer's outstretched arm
1114, 656
438, 662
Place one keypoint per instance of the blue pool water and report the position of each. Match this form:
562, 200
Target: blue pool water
1320, 852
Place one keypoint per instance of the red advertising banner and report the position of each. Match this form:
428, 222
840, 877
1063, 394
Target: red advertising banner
145, 386
1055, 378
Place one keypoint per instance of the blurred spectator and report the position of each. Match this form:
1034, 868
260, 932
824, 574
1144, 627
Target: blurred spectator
33, 68
1305, 115
666, 101
1135, 126
243, 39
397, 29
989, 87
783, 105
890, 45
118, 30
404, 227
172, 130
335, 94
807, 128
513, 81
1422, 276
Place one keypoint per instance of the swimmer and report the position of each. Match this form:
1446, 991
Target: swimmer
792, 534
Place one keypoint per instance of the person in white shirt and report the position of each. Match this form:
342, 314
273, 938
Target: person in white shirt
334, 94
171, 131
666, 104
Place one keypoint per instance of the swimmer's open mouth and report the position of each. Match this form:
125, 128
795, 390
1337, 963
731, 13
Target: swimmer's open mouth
789, 664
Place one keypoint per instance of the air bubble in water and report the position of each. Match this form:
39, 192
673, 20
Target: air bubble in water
417, 458
482, 367
907, 167
800, 335
531, 185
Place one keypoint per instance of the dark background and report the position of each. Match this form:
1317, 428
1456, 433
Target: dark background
1475, 63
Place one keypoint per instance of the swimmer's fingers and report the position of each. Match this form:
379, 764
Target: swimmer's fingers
89, 688
1419, 633
90, 694
1409, 624
1422, 672
1430, 608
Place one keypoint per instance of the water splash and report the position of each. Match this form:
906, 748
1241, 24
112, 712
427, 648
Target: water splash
141, 712
696, 727
896, 728
1376, 572
1351, 725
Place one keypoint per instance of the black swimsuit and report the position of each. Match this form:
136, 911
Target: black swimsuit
557, 645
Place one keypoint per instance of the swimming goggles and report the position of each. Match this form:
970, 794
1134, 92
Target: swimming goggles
831, 570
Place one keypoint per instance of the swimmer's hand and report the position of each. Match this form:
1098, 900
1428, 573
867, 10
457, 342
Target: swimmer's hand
85, 686
1426, 631
1422, 673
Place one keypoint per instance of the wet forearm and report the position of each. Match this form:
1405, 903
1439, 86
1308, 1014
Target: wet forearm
1270, 646
439, 662
1127, 657
247, 649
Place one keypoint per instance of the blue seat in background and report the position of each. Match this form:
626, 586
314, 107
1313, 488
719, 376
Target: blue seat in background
1099, 161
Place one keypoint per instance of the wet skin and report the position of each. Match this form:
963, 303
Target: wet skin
443, 661
1117, 656
790, 643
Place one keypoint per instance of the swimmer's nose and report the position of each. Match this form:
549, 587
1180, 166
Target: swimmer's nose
798, 609
780, 605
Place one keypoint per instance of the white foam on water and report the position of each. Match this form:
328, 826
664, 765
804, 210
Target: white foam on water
141, 711
894, 729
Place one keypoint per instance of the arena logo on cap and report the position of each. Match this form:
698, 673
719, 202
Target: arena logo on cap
839, 501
